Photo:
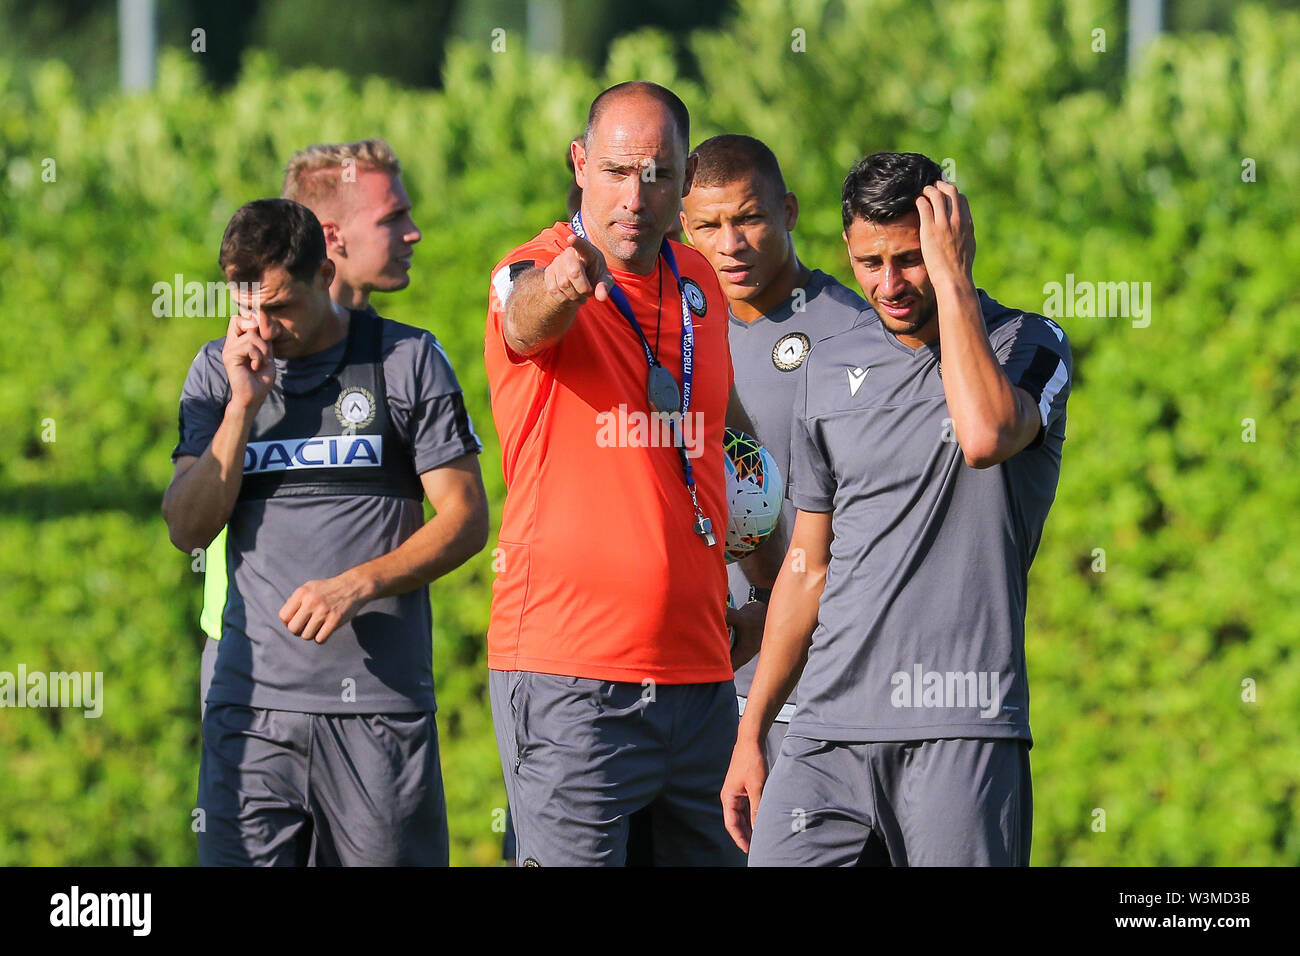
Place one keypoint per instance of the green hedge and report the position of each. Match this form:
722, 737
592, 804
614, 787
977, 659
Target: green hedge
1072, 168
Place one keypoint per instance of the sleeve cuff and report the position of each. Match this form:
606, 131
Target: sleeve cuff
817, 503
445, 454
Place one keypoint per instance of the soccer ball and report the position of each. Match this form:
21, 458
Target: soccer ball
754, 492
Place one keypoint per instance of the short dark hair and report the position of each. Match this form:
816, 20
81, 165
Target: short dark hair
731, 156
885, 186
272, 232
681, 115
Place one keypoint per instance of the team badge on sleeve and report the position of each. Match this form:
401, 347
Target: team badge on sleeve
355, 407
790, 350
695, 300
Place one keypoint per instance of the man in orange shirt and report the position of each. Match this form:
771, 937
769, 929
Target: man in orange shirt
606, 351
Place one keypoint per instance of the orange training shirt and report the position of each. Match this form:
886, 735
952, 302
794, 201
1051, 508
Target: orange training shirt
600, 574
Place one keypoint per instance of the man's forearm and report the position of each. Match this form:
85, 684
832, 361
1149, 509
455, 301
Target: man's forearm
983, 405
198, 503
449, 539
791, 620
534, 317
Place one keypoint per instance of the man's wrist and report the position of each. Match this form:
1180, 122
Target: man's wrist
749, 731
953, 288
240, 414
363, 585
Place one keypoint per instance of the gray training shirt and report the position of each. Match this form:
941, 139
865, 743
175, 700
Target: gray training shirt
766, 357
921, 626
381, 661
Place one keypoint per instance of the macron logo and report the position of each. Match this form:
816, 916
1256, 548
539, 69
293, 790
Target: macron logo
856, 377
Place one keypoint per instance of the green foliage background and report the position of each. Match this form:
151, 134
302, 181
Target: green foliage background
1072, 168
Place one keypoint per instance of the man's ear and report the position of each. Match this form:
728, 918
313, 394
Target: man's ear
791, 205
692, 161
578, 152
333, 237
681, 214
325, 273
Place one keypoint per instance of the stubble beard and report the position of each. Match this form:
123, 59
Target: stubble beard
924, 314
631, 252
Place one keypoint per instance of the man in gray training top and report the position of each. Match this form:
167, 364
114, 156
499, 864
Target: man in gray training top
740, 215
314, 432
932, 440
355, 190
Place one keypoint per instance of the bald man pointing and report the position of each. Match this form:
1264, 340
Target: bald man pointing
606, 351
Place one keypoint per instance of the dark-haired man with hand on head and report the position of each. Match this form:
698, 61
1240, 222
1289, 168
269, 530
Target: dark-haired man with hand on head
313, 432
355, 191
740, 215
925, 455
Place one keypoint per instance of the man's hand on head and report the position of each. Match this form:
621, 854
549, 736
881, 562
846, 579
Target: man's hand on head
947, 233
318, 608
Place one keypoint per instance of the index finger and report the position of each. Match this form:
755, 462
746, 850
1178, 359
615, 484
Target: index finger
925, 209
290, 607
585, 249
946, 187
963, 206
940, 199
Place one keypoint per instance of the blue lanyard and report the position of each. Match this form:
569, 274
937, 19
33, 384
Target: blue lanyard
688, 341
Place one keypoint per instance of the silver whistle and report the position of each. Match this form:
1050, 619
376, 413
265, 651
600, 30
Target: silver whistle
704, 528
